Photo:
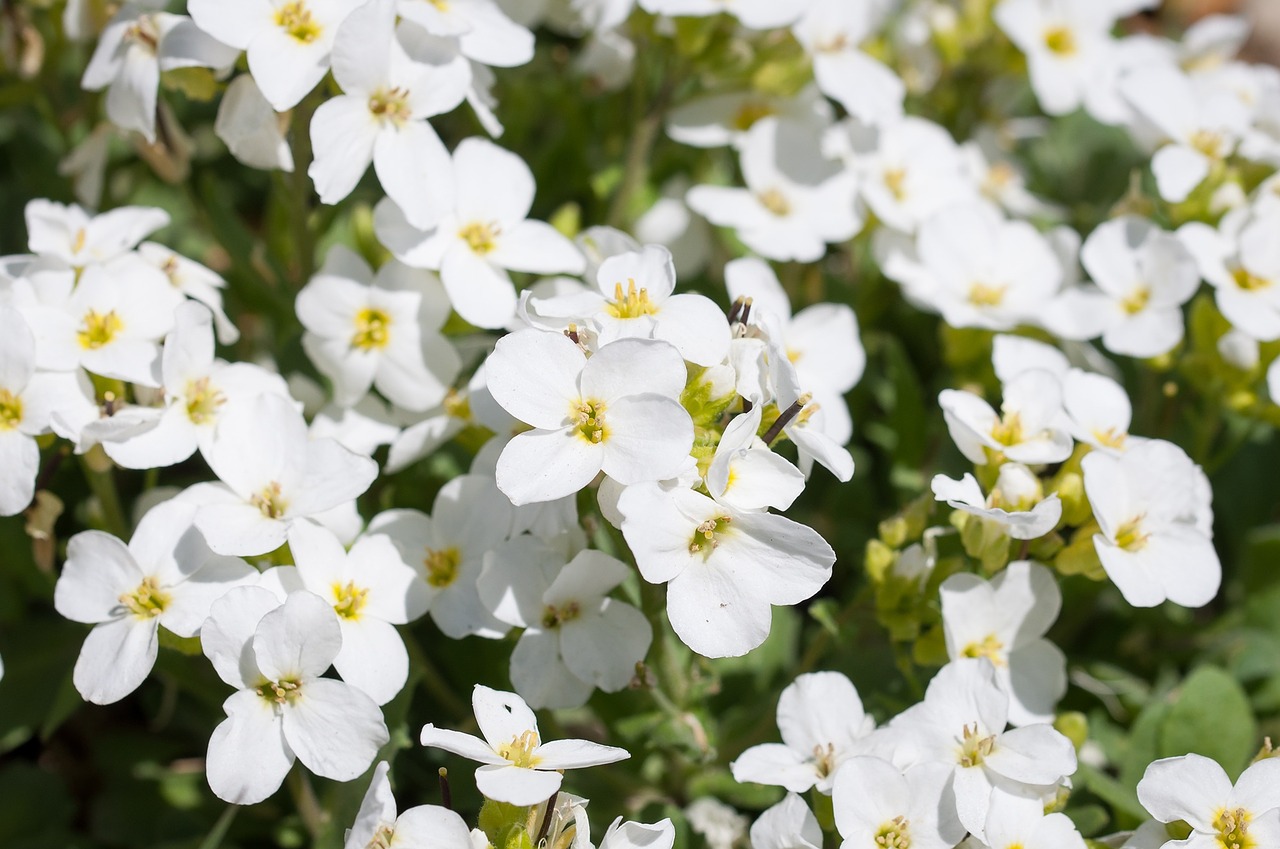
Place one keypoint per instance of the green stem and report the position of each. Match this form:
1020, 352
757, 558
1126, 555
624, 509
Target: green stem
100, 474
433, 679
220, 828
300, 188
636, 168
304, 797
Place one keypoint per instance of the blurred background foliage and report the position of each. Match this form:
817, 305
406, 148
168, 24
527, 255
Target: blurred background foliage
1145, 684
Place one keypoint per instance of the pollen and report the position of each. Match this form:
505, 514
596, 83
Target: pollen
1060, 40
1130, 537
144, 32
1250, 282
280, 692
632, 303
1137, 300
1009, 430
457, 405
520, 750
203, 401
481, 236
984, 295
270, 501
1110, 437
895, 180
990, 647
373, 329
588, 418
296, 20
1233, 829
974, 749
98, 329
706, 535
349, 600
750, 112
1211, 144
895, 834
775, 201
554, 617
391, 105
442, 566
147, 600
10, 410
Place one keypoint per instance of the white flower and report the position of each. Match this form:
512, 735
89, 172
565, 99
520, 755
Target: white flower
1239, 261
134, 49
1098, 410
636, 301
469, 518
1016, 503
272, 476
251, 129
365, 330
614, 412
746, 475
165, 576
1197, 791
485, 235
787, 825
877, 806
197, 389
821, 719
720, 825
1203, 123
70, 234
381, 117
287, 41
1015, 823
575, 638
485, 33
1005, 620
961, 723
1146, 504
377, 824
1146, 275
196, 282
716, 120
519, 768
638, 835
795, 200
1065, 42
28, 400
830, 31
724, 568
1027, 429
274, 655
979, 270
370, 589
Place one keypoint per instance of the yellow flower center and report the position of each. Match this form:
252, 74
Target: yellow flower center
349, 600
381, 838
147, 601
391, 105
588, 418
774, 201
1137, 300
457, 406
1060, 40
990, 648
1130, 537
520, 750
144, 32
983, 295
280, 692
824, 759
97, 329
1110, 437
1211, 144
1008, 431
373, 329
481, 236
895, 180
705, 535
10, 410
270, 501
632, 303
295, 19
1250, 282
895, 834
203, 401
974, 749
554, 617
750, 112
1233, 829
442, 566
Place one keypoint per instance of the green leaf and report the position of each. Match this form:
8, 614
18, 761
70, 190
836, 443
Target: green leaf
1211, 717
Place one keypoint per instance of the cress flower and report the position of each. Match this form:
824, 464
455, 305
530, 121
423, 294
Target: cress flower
378, 825
878, 806
1028, 429
1016, 504
1196, 790
274, 655
518, 768
166, 575
614, 412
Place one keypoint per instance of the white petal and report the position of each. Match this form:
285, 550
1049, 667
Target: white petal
248, 756
297, 640
515, 785
116, 658
343, 135
543, 465
334, 729
373, 658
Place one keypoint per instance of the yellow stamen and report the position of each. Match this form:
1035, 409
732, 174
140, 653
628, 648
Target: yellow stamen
442, 566
97, 329
705, 535
520, 750
147, 600
1060, 40
348, 601
372, 329
1130, 537
984, 295
974, 749
10, 410
632, 303
391, 105
270, 501
481, 236
296, 20
203, 401
774, 201
588, 418
991, 648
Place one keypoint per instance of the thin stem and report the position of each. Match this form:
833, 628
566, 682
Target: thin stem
432, 678
304, 797
100, 474
635, 172
300, 188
